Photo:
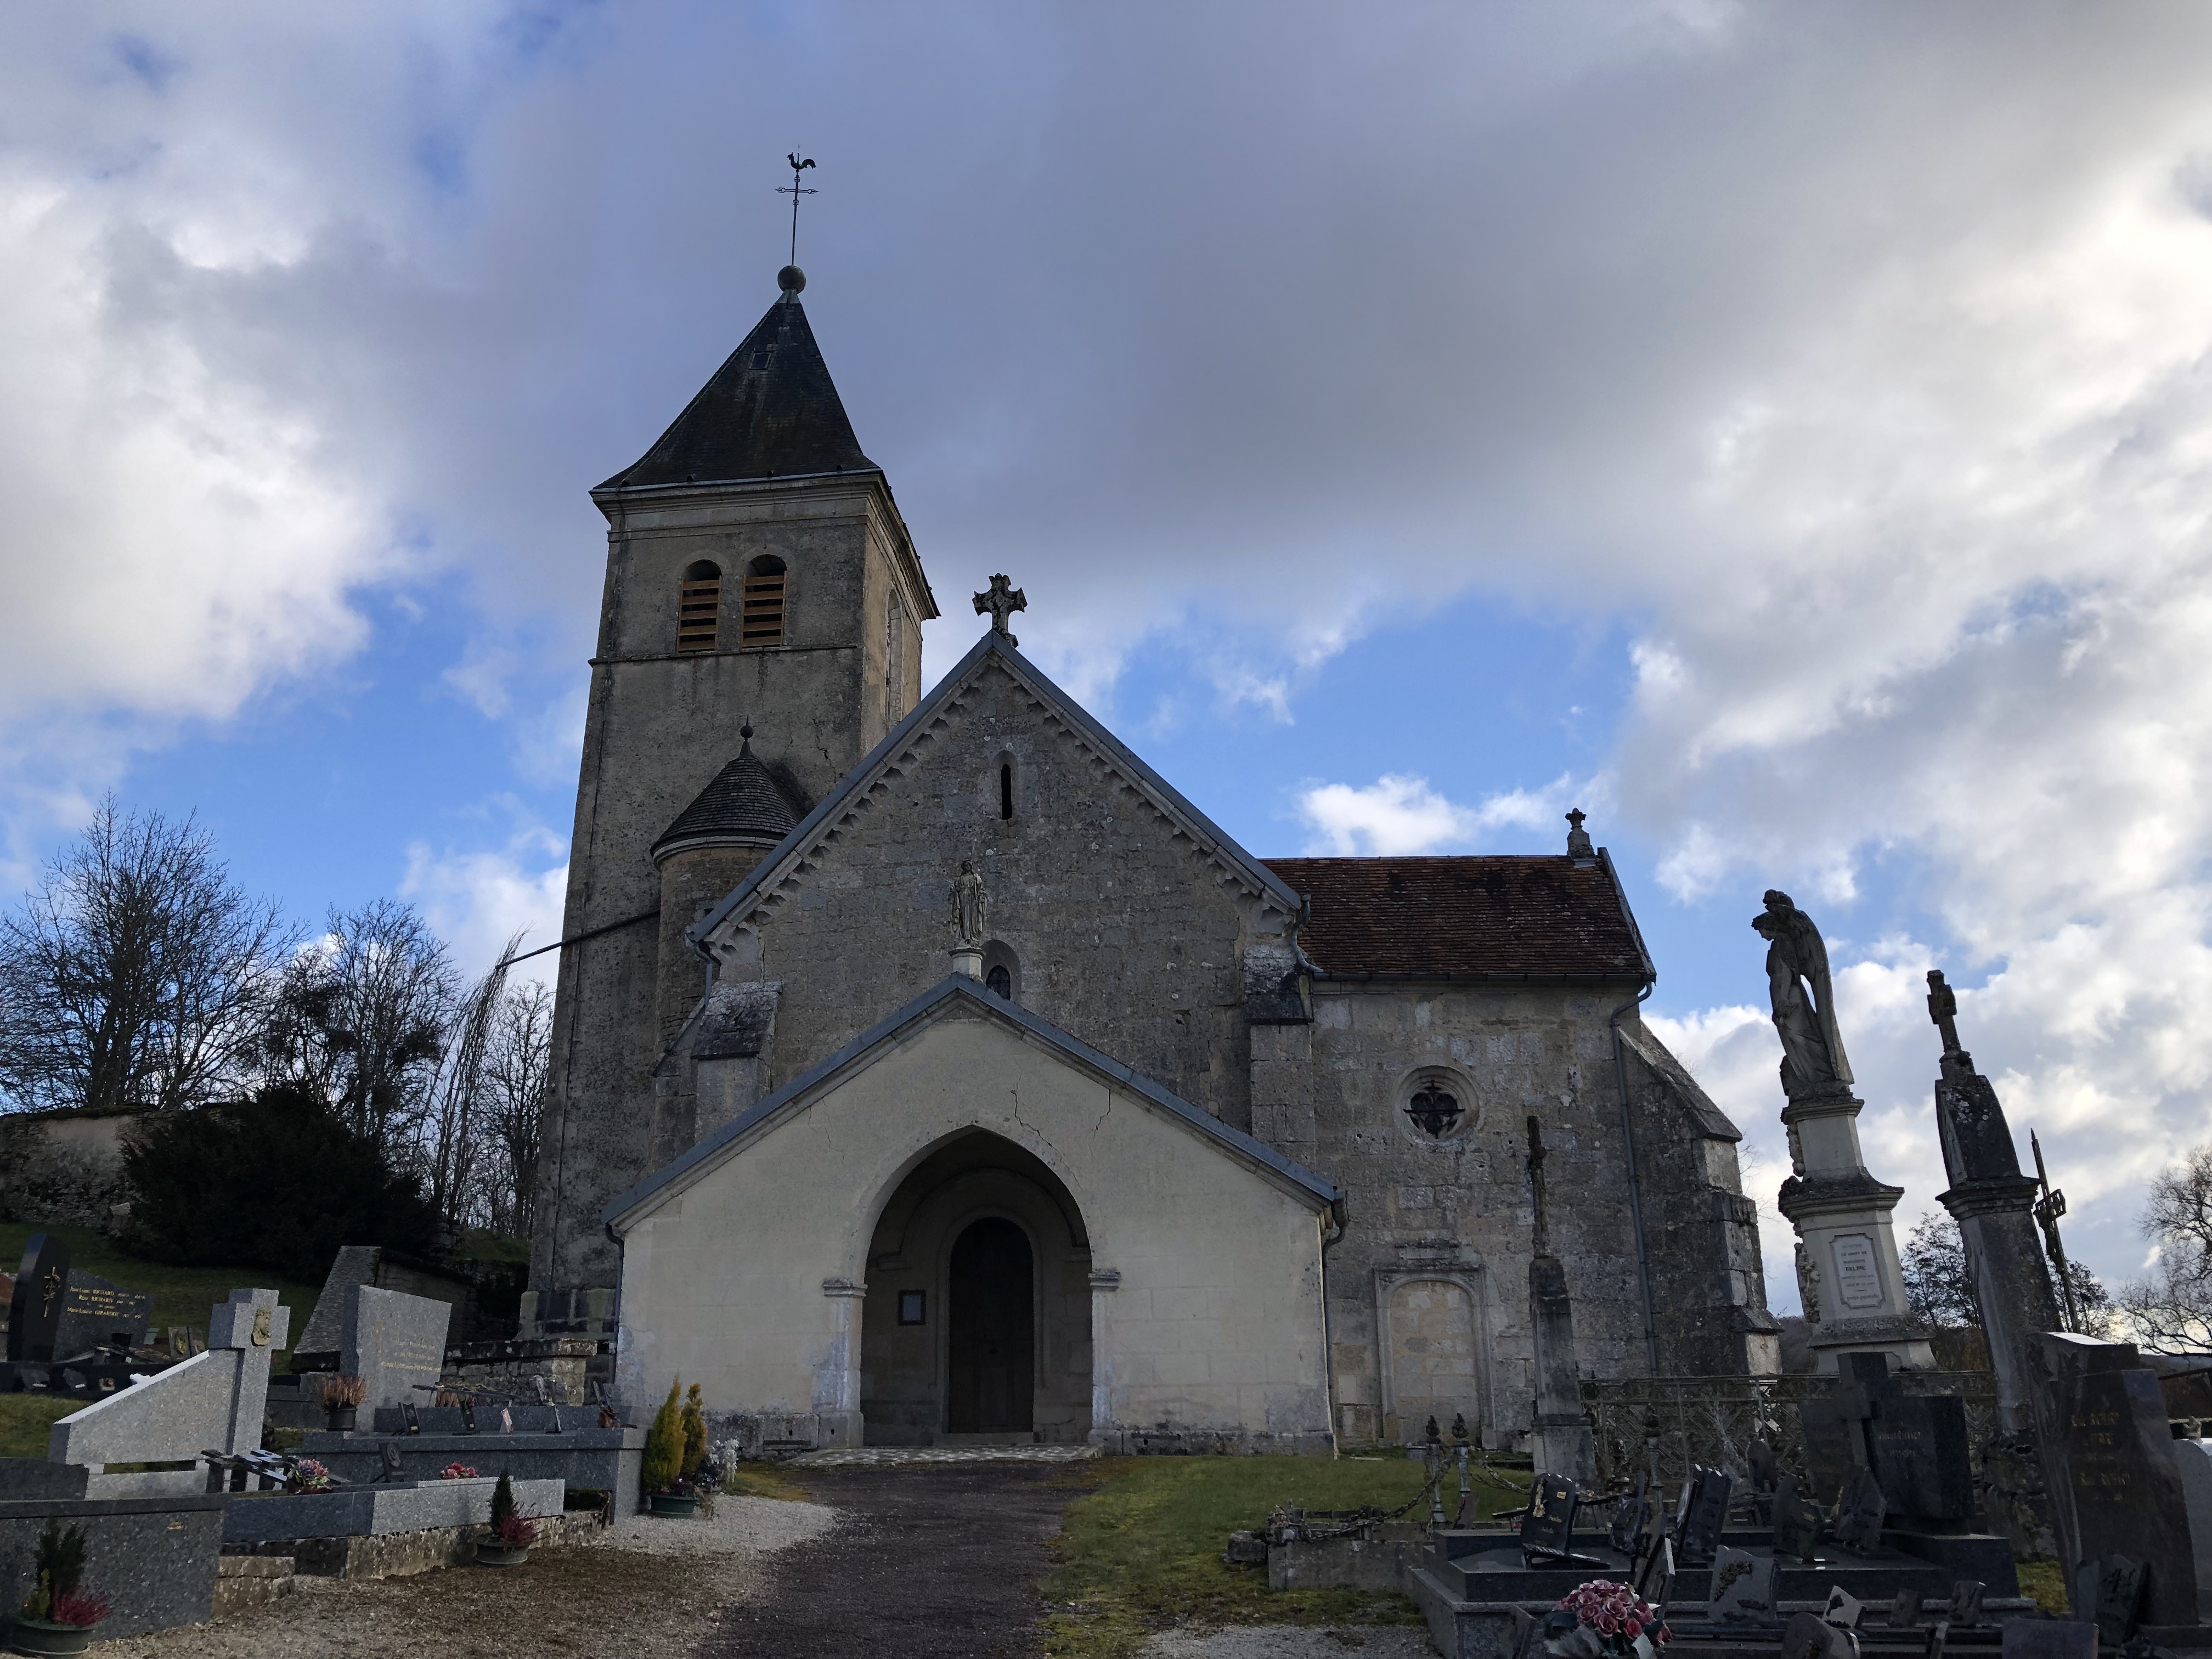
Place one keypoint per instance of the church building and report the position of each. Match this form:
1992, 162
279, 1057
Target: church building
926, 1067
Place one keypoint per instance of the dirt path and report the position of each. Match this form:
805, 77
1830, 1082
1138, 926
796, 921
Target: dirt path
925, 1562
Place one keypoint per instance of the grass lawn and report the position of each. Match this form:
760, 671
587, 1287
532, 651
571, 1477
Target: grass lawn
2042, 1581
1143, 1549
182, 1295
24, 1421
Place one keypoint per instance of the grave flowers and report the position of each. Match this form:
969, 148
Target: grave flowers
342, 1397
1620, 1621
308, 1475
506, 1542
457, 1471
58, 1617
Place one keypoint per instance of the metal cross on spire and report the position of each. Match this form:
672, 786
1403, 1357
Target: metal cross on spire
1002, 599
794, 191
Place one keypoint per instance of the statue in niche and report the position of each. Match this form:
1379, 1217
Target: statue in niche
968, 906
1812, 1061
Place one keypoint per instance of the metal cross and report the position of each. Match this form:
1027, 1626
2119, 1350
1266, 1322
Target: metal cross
2048, 1209
792, 190
1943, 1009
1001, 600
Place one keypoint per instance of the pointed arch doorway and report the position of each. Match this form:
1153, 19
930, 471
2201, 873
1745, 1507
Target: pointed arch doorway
991, 1330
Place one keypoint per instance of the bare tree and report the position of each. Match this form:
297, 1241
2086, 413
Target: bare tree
2172, 1308
1938, 1281
362, 1021
516, 1072
136, 973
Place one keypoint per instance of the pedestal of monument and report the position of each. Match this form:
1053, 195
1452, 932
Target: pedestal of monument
1847, 1266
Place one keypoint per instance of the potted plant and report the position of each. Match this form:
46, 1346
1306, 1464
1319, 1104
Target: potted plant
58, 1617
666, 1491
506, 1542
342, 1397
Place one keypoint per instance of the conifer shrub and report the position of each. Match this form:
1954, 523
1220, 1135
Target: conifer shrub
695, 1433
664, 1444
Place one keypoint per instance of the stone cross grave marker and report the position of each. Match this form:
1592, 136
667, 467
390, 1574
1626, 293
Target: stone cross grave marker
1703, 1517
2118, 1456
1917, 1446
393, 1342
1743, 1586
41, 1292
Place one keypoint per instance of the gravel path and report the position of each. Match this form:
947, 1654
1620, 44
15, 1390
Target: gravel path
645, 1586
927, 1563
1291, 1641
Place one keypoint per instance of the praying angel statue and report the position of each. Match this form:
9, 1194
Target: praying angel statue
1813, 1062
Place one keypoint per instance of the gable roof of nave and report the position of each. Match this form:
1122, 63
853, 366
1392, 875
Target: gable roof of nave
910, 743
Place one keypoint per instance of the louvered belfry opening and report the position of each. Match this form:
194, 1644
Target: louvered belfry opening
762, 623
699, 607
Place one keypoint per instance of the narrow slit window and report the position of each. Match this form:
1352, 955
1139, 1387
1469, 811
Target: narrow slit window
699, 607
1006, 789
762, 621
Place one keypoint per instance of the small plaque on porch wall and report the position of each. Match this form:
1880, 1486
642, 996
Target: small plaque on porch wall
911, 1304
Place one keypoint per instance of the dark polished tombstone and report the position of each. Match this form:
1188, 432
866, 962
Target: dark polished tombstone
98, 1313
41, 1292
1798, 1520
1547, 1529
2111, 1586
1632, 1515
1904, 1610
1742, 1588
2118, 1456
1966, 1603
1860, 1516
1808, 1636
1702, 1517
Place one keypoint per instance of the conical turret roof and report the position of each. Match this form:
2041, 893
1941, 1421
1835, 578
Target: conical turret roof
743, 804
770, 411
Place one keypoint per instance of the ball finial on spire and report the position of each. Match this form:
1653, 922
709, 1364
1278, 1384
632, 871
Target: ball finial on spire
790, 279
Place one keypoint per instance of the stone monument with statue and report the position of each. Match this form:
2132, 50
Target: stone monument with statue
1847, 1266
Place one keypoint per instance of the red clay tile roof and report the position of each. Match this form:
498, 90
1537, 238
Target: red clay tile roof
1539, 918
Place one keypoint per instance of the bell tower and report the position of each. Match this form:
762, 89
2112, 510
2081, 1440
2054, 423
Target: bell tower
760, 632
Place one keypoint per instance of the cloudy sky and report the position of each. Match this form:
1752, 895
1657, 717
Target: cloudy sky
1782, 431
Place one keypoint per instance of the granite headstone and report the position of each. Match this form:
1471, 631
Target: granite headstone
1743, 1587
34, 1315
393, 1342
1859, 1517
1798, 1520
98, 1313
1704, 1517
1548, 1526
2118, 1455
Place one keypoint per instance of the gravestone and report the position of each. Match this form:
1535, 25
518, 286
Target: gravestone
1904, 1610
1859, 1518
2193, 1462
1966, 1603
1632, 1515
213, 1401
1798, 1520
2112, 1586
34, 1316
2046, 1638
1808, 1636
2117, 1454
1743, 1587
1834, 1447
1548, 1527
393, 1342
1703, 1517
97, 1312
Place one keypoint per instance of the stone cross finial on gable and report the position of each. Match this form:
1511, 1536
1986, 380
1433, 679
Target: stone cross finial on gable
1579, 841
1001, 600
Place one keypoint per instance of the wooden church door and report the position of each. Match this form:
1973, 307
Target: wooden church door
992, 1333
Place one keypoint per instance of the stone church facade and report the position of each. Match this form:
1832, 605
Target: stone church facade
1187, 1147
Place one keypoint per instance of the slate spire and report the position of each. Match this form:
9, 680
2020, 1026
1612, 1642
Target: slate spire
770, 411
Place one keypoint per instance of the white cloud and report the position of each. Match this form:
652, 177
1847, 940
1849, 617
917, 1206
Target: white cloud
1400, 814
475, 899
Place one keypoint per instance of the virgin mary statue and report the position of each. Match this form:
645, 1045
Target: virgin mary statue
1813, 1062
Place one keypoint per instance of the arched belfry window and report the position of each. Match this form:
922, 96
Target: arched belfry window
1000, 980
1002, 971
762, 622
699, 607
